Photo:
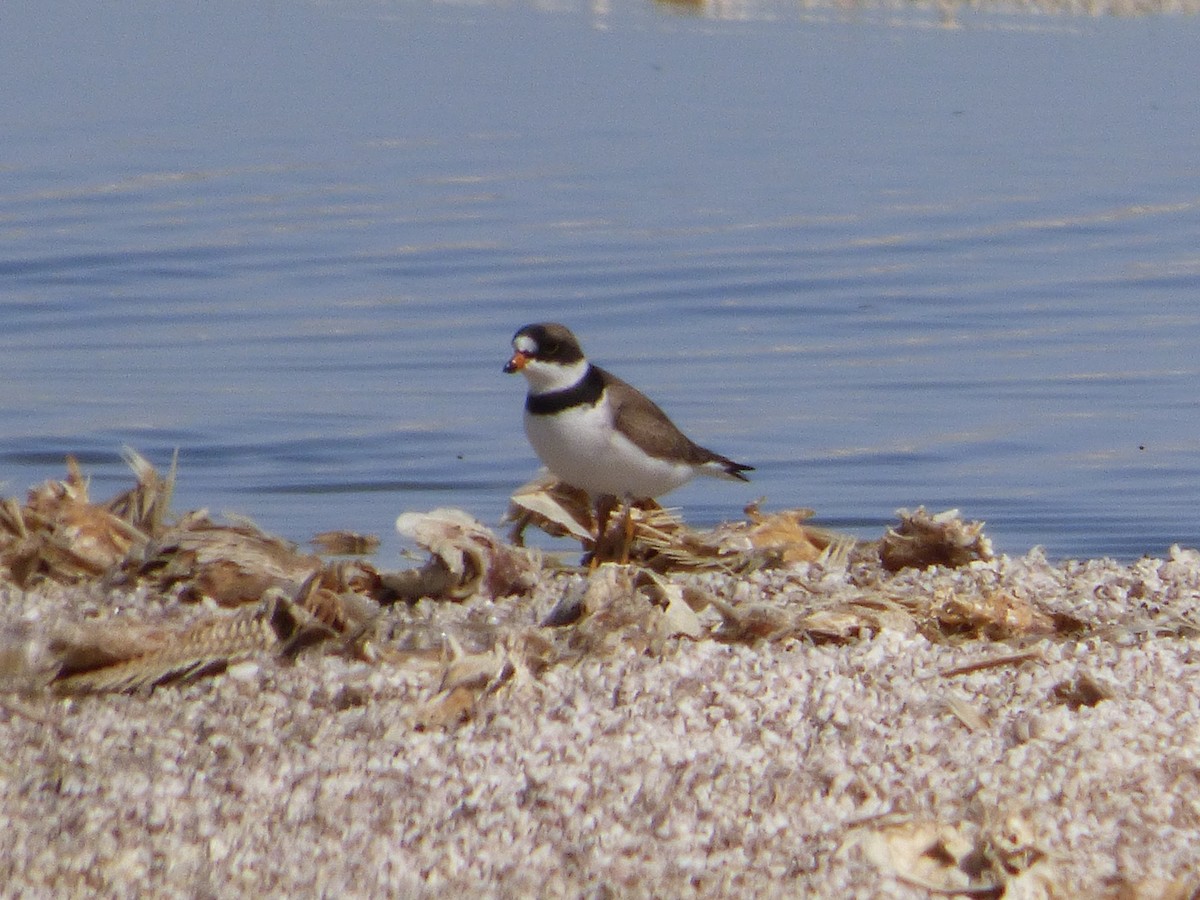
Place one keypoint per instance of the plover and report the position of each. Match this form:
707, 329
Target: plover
597, 433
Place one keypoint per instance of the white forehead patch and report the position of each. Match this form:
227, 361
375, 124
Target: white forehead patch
523, 343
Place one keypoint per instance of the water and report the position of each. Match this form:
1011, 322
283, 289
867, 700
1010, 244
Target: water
887, 263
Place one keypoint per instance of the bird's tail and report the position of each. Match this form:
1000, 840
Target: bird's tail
723, 467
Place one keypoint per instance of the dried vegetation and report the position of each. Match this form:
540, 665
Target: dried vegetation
216, 593
163, 599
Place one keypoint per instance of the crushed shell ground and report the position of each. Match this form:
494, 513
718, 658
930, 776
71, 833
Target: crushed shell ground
513, 760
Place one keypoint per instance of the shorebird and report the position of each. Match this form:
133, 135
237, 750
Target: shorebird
598, 433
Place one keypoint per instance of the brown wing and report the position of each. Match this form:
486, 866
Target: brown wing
651, 430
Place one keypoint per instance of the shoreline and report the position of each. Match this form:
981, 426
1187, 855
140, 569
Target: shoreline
817, 728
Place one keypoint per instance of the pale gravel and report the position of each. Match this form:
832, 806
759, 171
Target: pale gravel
704, 769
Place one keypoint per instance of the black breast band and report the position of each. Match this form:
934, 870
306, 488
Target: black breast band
585, 392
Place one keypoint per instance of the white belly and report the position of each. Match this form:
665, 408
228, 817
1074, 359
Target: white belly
580, 447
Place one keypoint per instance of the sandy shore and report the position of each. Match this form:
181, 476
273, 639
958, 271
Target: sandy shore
1010, 728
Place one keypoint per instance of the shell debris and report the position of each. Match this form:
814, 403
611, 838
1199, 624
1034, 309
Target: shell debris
753, 705
218, 593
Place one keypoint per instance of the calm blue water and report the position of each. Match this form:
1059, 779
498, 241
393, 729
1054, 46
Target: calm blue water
885, 262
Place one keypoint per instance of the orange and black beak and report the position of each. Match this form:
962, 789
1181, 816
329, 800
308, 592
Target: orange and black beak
517, 363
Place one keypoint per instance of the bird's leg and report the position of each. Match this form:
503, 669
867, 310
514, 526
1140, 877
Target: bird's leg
605, 504
627, 530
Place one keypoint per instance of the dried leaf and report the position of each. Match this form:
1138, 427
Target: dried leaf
230, 564
967, 713
92, 661
752, 623
60, 535
658, 537
346, 543
146, 505
466, 677
467, 559
1008, 659
786, 535
614, 612
995, 615
922, 540
677, 618
554, 507
452, 707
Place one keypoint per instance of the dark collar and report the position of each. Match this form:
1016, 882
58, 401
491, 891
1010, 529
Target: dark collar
585, 392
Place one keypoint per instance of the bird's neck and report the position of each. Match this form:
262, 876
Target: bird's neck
550, 378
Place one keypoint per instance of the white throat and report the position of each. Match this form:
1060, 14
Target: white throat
546, 378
